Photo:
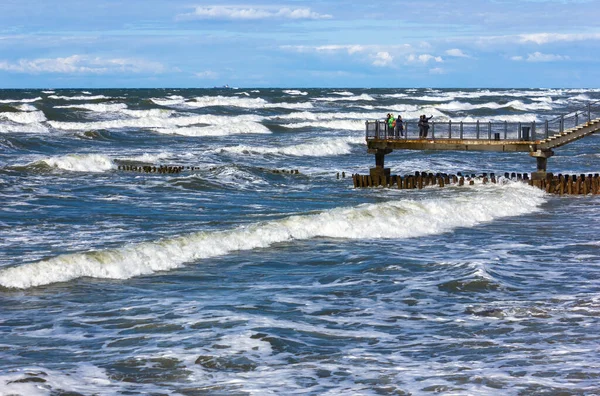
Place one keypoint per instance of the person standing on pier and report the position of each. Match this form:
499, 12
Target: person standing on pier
391, 122
399, 128
424, 125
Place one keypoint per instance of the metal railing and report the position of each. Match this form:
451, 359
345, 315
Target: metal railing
486, 130
455, 130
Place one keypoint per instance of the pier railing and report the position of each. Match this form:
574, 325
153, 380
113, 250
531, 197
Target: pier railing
486, 130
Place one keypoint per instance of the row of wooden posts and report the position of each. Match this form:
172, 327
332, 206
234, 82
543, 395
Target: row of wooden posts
554, 184
179, 169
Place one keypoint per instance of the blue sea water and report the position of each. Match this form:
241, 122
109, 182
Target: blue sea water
239, 277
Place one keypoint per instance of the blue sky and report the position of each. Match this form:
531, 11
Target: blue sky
388, 44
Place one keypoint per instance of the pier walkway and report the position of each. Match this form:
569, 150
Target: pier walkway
537, 139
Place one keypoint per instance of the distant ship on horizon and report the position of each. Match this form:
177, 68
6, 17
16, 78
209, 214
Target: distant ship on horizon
226, 86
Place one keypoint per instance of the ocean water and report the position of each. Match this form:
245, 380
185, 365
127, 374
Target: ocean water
234, 277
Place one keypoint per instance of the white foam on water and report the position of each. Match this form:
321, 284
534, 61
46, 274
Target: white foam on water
158, 120
515, 104
20, 100
96, 107
148, 158
236, 101
24, 117
23, 128
294, 92
171, 100
349, 125
26, 107
346, 98
499, 118
318, 148
343, 93
48, 92
85, 379
399, 219
81, 162
87, 97
236, 128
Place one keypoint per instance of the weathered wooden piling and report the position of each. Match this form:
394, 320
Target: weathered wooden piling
553, 184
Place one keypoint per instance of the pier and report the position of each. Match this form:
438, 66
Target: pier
537, 139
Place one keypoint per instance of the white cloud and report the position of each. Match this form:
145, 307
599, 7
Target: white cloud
423, 58
545, 38
437, 70
251, 13
456, 53
540, 57
383, 59
207, 74
82, 64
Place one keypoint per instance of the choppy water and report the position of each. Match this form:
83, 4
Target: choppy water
234, 279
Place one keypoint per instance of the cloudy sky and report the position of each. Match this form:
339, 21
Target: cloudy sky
326, 43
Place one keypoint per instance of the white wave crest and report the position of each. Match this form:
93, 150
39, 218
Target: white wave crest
87, 97
20, 100
319, 148
396, 219
24, 117
23, 128
349, 125
515, 104
343, 93
148, 158
158, 122
81, 163
294, 92
171, 100
235, 128
347, 98
234, 101
96, 107
26, 107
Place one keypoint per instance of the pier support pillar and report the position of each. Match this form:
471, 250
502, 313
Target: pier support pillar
542, 162
380, 172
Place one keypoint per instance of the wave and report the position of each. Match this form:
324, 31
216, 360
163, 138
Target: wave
294, 92
343, 93
26, 107
20, 100
395, 219
23, 128
24, 117
350, 125
236, 128
161, 122
79, 163
228, 101
96, 107
514, 104
86, 97
319, 148
347, 98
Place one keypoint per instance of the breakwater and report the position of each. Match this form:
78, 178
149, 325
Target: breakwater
581, 184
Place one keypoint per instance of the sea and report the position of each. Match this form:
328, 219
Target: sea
257, 269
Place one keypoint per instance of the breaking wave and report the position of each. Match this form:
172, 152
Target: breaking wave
395, 219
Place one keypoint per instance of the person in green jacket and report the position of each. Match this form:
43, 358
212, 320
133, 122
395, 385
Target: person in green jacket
391, 124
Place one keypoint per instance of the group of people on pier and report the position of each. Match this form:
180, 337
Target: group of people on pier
395, 126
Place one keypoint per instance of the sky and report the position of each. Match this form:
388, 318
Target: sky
303, 44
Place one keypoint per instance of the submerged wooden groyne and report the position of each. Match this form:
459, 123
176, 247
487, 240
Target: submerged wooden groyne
554, 184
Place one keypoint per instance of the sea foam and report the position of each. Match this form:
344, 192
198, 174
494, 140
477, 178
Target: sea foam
398, 219
81, 162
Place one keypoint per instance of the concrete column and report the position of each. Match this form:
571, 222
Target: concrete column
542, 163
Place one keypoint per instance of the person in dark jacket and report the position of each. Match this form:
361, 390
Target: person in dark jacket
424, 125
399, 129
